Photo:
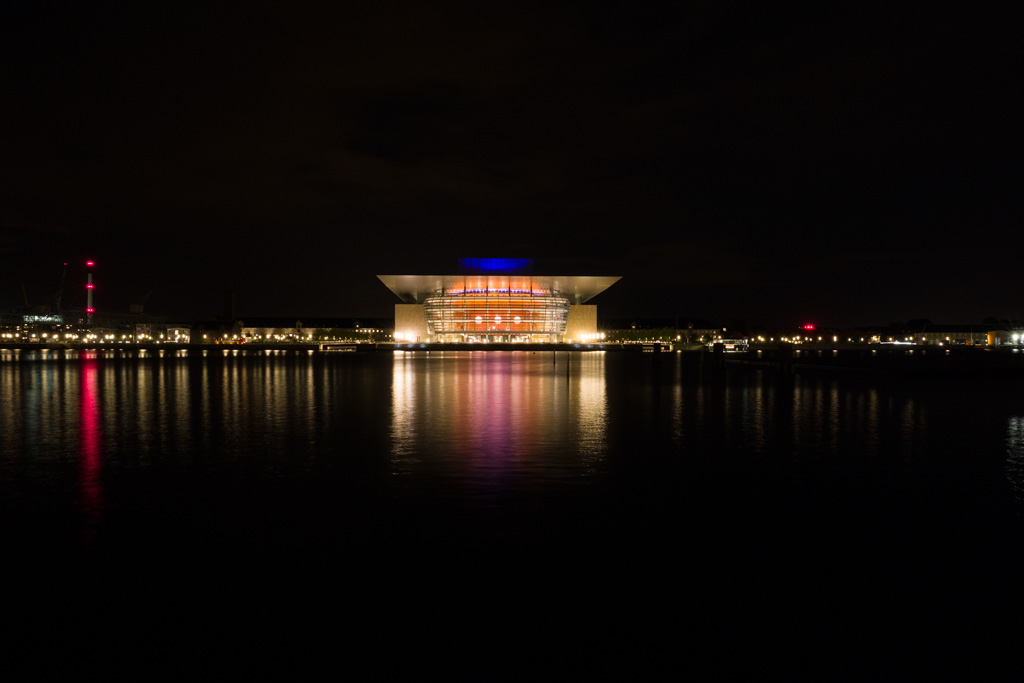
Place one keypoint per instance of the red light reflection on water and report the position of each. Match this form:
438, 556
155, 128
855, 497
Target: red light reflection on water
89, 434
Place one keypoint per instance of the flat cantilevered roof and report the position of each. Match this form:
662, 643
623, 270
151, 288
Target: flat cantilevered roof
414, 289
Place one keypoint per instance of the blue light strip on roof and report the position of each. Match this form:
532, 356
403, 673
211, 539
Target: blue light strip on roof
495, 265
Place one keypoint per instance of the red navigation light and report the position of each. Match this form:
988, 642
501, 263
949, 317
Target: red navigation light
808, 326
88, 310
89, 263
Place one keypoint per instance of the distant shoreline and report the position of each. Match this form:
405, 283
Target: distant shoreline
872, 359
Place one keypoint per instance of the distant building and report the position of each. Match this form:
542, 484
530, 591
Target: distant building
179, 333
310, 329
498, 300
953, 335
76, 325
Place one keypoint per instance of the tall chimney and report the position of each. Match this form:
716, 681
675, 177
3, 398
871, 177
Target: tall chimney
88, 291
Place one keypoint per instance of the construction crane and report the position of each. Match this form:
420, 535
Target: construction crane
137, 307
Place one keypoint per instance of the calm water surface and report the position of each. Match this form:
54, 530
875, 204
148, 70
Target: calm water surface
643, 470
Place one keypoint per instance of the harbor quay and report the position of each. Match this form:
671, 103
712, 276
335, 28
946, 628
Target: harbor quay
778, 357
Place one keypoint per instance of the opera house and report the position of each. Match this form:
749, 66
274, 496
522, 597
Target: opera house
498, 300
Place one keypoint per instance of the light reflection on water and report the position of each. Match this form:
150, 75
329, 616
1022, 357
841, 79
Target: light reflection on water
90, 432
497, 417
1015, 455
269, 446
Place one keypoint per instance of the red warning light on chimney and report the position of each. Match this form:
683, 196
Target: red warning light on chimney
88, 310
89, 286
89, 263
808, 326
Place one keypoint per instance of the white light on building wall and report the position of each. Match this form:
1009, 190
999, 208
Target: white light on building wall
516, 319
479, 319
497, 318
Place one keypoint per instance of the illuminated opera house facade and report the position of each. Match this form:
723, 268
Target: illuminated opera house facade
496, 300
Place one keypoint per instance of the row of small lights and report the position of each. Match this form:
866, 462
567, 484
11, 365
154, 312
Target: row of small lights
590, 337
402, 336
72, 335
146, 337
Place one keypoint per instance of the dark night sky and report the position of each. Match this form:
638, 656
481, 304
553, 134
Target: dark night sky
839, 164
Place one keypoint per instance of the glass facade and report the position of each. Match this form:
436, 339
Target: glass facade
496, 308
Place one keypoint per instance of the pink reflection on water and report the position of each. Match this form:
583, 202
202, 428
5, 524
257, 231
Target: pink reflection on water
508, 421
89, 434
